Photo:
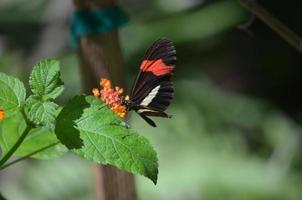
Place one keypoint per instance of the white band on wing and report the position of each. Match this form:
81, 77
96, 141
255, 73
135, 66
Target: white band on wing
147, 100
145, 110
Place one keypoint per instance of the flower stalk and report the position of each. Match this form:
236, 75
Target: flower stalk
16, 145
28, 155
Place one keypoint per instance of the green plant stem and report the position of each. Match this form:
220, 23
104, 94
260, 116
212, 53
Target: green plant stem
16, 145
281, 29
28, 155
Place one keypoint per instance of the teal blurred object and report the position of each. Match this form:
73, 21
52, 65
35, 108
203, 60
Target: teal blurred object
98, 20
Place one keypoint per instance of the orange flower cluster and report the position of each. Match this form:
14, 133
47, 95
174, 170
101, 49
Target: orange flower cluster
2, 114
111, 97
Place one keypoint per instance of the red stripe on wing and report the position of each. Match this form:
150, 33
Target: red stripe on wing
157, 67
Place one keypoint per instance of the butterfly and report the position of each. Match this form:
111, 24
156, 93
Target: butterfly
153, 90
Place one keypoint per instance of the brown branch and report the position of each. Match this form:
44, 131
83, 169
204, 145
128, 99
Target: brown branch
100, 56
276, 25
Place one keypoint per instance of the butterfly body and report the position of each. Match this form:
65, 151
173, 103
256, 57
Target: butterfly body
153, 89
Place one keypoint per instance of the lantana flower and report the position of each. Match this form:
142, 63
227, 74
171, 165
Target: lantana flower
111, 96
2, 114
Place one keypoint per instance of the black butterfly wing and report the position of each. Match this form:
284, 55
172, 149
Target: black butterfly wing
153, 89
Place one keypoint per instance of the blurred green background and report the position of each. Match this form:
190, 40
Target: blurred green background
237, 113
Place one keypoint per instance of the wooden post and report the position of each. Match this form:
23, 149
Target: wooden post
100, 56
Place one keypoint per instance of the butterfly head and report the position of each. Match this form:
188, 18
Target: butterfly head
125, 101
153, 89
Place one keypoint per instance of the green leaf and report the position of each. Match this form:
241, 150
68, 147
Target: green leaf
46, 85
41, 112
45, 80
120, 147
65, 125
12, 94
37, 139
105, 137
11, 129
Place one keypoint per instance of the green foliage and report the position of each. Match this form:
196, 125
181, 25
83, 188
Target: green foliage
41, 112
46, 85
12, 94
45, 80
105, 137
85, 125
213, 151
39, 138
65, 125
11, 129
22, 13
69, 176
